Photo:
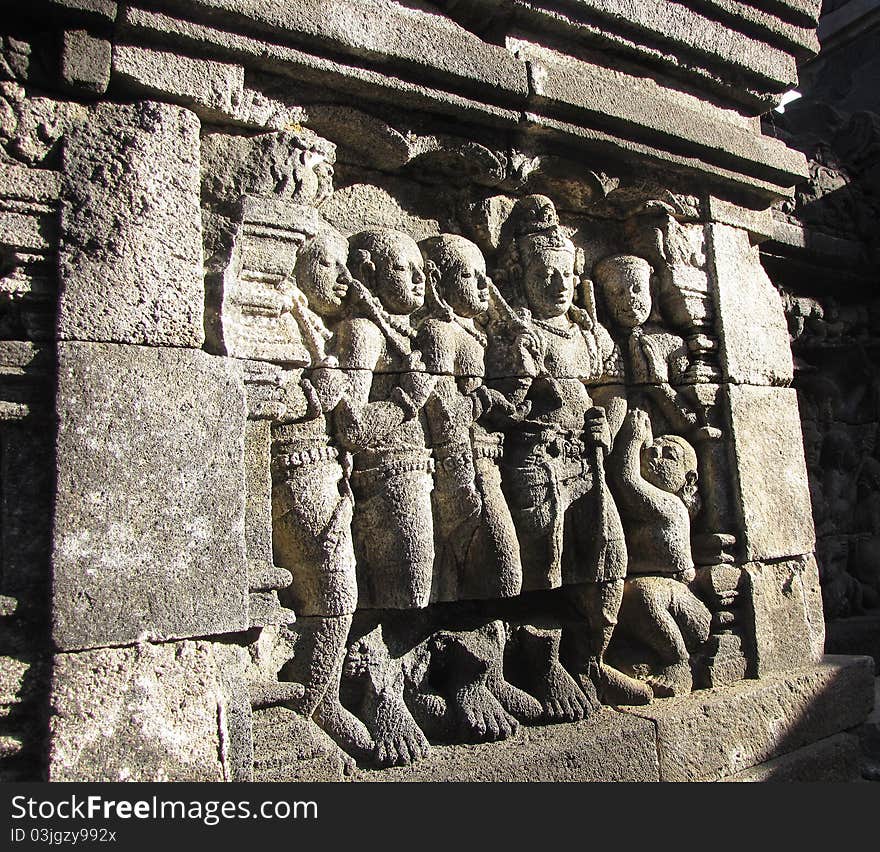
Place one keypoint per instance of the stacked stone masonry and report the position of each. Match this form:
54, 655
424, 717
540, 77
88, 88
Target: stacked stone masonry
824, 258
394, 391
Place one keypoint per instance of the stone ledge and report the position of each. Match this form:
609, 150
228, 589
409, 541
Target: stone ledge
609, 747
787, 727
832, 759
714, 735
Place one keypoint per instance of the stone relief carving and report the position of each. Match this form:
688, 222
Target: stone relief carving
839, 399
464, 487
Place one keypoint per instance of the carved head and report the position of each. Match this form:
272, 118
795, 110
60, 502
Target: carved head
456, 275
322, 273
390, 264
625, 283
548, 277
538, 261
670, 464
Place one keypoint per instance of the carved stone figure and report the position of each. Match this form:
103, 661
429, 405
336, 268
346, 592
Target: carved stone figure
311, 500
565, 366
655, 483
383, 425
656, 360
477, 553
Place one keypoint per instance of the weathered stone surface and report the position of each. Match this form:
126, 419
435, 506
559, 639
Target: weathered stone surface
771, 478
307, 68
144, 713
372, 29
751, 324
290, 748
212, 89
833, 759
788, 627
149, 514
85, 62
103, 10
610, 746
613, 97
758, 223
709, 736
858, 634
131, 235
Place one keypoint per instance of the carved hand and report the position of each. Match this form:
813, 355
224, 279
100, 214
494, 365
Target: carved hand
596, 427
417, 386
330, 386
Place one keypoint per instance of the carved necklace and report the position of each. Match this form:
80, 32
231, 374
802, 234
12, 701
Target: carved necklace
403, 329
477, 335
568, 334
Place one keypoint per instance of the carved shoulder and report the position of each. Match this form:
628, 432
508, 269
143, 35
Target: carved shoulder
359, 344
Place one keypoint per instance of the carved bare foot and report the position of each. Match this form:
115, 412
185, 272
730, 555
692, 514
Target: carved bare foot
481, 716
467, 659
617, 689
345, 729
398, 739
674, 679
561, 699
517, 702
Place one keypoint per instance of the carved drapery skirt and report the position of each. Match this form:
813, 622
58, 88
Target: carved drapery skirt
477, 552
568, 526
311, 531
393, 528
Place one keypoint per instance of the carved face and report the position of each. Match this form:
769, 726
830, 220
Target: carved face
549, 283
626, 286
400, 275
669, 464
322, 274
465, 285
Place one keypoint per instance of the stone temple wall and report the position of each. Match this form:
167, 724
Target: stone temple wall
825, 259
393, 390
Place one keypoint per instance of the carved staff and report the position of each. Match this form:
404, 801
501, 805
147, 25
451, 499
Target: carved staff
589, 300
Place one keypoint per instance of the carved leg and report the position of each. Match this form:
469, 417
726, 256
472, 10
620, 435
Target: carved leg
562, 700
522, 706
397, 738
466, 659
600, 603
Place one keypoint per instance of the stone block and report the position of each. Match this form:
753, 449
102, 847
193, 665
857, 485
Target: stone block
288, 747
211, 89
755, 347
304, 67
374, 29
145, 713
771, 473
149, 514
610, 746
85, 62
758, 224
713, 735
611, 97
788, 626
131, 234
96, 10
833, 759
